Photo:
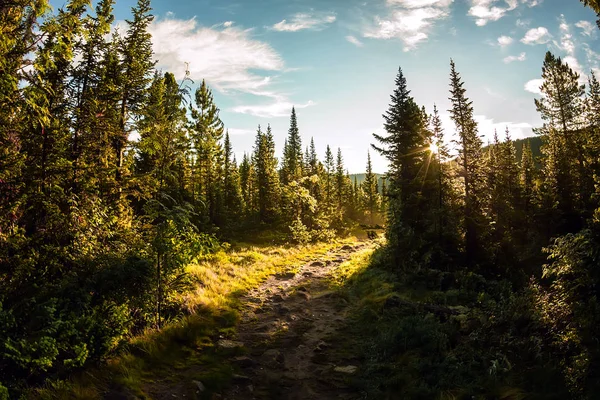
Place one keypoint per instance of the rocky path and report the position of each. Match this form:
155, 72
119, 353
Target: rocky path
287, 327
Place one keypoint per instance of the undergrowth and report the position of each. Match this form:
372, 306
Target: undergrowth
184, 350
436, 335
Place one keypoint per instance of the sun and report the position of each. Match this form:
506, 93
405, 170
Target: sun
433, 148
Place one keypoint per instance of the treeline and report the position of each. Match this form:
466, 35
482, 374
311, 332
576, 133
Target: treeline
518, 244
96, 229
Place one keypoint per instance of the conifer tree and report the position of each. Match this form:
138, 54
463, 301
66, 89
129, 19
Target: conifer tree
291, 169
163, 144
248, 186
329, 179
370, 191
470, 147
405, 147
560, 107
135, 52
206, 134
232, 192
340, 180
441, 154
85, 86
267, 179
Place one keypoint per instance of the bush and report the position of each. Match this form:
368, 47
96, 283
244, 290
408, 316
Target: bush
3, 392
299, 233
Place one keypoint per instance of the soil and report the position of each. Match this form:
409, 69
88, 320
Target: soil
287, 326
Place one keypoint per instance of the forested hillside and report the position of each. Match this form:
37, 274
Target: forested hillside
125, 220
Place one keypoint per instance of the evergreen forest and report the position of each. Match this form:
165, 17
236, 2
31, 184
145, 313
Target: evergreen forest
132, 240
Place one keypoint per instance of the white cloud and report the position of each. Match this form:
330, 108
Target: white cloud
227, 24
485, 11
354, 41
567, 45
225, 57
587, 28
229, 58
537, 36
301, 21
409, 25
504, 41
280, 108
520, 57
487, 127
523, 23
533, 86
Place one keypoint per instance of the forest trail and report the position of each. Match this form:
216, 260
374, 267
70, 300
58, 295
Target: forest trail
286, 327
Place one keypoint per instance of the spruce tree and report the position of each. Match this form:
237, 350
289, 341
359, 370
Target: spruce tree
136, 53
291, 169
470, 152
206, 134
232, 192
339, 180
568, 185
370, 191
267, 179
405, 147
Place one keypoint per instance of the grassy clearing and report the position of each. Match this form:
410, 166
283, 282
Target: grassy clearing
159, 362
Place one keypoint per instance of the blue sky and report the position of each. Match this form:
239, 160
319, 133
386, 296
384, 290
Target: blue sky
336, 60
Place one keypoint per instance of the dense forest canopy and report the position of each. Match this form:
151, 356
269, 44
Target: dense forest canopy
96, 229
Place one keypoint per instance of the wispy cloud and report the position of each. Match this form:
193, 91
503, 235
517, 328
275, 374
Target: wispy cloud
537, 36
520, 57
302, 21
354, 41
280, 108
409, 20
504, 41
567, 45
587, 28
485, 11
226, 57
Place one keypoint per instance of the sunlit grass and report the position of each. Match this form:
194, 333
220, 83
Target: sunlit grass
187, 343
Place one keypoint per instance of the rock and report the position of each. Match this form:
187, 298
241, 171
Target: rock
199, 386
243, 361
348, 369
347, 248
338, 260
241, 378
273, 356
278, 298
307, 274
229, 344
321, 346
317, 264
301, 289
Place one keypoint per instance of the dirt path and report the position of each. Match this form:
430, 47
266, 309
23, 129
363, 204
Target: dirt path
285, 327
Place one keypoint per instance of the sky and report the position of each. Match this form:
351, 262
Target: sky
336, 60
